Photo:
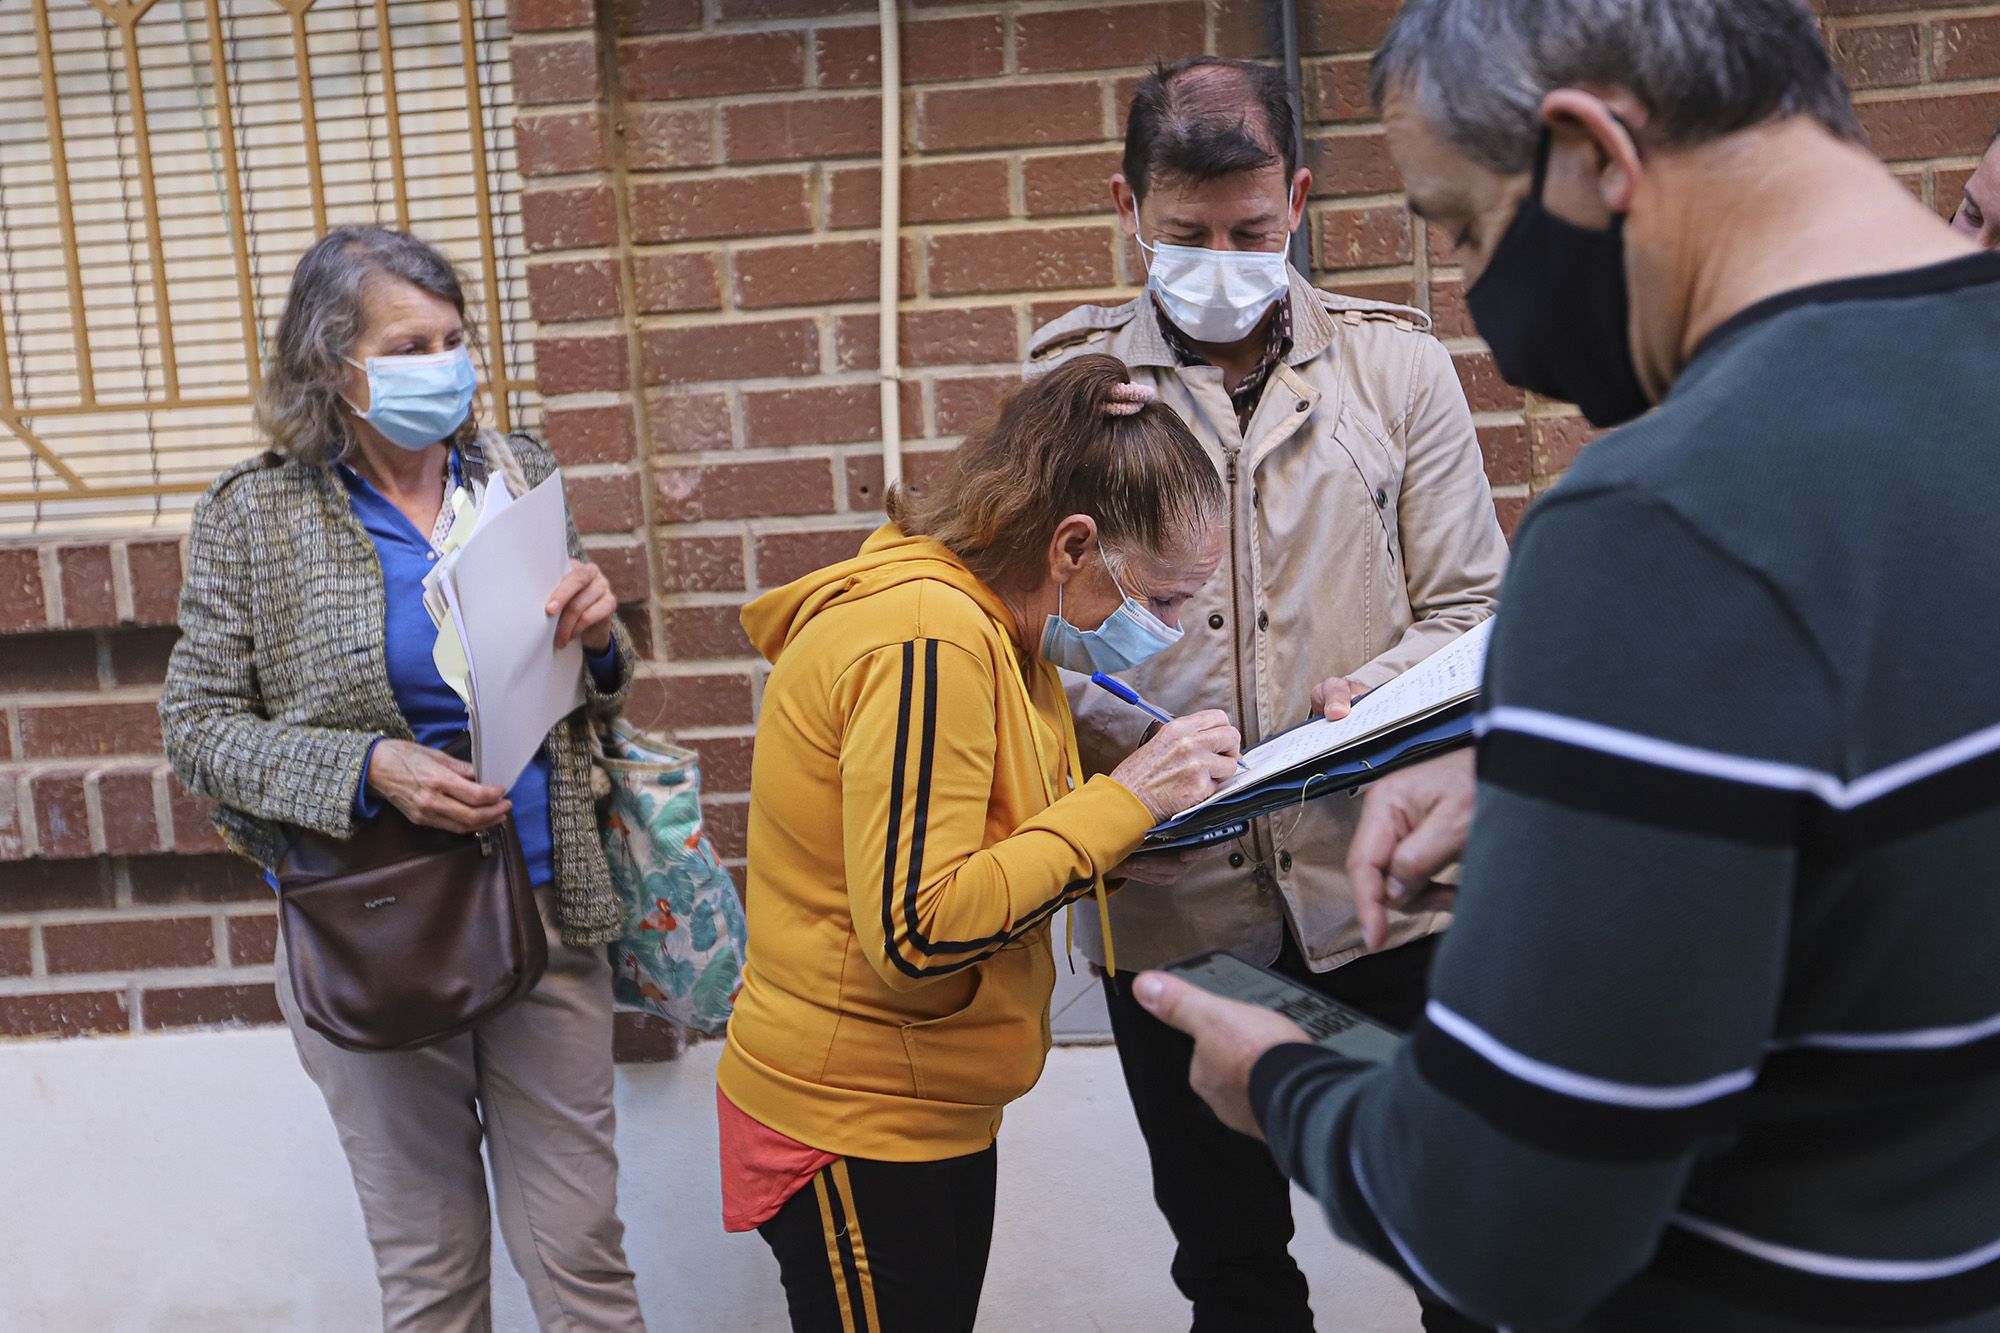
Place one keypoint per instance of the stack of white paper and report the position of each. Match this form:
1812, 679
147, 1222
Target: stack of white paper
496, 641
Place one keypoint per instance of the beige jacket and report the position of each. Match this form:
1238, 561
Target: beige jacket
1362, 539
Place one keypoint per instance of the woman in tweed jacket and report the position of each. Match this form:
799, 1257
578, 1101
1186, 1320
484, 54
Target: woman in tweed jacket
302, 695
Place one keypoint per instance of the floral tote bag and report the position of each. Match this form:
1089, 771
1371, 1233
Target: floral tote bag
681, 953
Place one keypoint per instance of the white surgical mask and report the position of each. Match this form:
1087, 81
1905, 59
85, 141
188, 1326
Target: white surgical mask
1215, 296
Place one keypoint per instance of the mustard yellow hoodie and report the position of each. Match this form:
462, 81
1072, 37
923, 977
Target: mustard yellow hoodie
912, 829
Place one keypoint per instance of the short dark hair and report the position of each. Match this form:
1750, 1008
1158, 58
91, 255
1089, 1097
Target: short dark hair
1702, 68
1204, 118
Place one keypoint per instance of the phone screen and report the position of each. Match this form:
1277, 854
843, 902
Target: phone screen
1331, 1024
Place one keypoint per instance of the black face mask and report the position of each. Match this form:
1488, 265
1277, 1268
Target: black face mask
1553, 306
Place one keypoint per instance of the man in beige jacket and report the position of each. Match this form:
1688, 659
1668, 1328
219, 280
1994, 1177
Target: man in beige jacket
1362, 539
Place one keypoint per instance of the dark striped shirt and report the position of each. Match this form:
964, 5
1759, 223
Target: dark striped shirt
1715, 1038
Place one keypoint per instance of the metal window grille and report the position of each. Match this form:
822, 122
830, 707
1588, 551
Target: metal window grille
163, 164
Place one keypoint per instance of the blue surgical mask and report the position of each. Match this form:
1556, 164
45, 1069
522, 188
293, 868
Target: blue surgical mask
415, 401
1129, 636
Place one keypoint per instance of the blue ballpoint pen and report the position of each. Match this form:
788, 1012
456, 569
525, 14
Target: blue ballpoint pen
1118, 689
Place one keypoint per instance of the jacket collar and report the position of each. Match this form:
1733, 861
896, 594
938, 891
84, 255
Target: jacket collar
1144, 343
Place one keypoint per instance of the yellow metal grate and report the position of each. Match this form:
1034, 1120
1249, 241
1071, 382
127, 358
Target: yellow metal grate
163, 163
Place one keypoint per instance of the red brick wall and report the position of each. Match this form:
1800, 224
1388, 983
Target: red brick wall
701, 202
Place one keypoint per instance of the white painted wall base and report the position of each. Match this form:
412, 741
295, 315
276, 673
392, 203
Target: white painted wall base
192, 1184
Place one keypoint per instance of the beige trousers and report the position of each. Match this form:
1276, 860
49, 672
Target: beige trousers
535, 1084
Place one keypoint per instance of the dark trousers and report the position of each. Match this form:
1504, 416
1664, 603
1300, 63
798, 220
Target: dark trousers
887, 1247
1229, 1206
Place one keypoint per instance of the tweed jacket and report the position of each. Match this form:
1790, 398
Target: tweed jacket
279, 683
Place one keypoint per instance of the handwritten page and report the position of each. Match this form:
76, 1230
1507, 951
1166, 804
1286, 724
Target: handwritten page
1448, 676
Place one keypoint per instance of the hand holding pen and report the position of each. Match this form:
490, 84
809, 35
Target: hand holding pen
1119, 690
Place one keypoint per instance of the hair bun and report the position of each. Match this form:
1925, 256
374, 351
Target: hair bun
1128, 399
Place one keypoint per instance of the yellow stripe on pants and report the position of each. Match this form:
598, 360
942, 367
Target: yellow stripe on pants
833, 1253
846, 1188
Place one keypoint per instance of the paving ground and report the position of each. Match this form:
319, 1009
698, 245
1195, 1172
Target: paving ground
192, 1184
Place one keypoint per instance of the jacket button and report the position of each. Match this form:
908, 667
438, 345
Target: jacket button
1236, 860
1263, 620
1284, 860
1215, 620
1303, 406
1381, 498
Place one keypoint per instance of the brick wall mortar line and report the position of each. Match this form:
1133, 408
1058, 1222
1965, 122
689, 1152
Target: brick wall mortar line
118, 694
1928, 91
125, 912
54, 611
946, 157
714, 24
121, 583
163, 810
1842, 22
582, 328
559, 108
563, 37
31, 837
38, 957
93, 813
62, 982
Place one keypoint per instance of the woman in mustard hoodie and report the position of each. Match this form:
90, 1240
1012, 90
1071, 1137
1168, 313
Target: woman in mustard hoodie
917, 815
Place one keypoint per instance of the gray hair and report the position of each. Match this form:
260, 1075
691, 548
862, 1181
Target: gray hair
1701, 68
299, 406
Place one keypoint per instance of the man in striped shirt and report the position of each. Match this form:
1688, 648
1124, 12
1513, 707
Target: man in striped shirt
1714, 1043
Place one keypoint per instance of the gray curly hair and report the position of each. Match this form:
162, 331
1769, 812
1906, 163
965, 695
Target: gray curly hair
1702, 68
299, 406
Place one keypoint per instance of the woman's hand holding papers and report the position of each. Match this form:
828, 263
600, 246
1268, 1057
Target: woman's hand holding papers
1183, 763
586, 603
1413, 826
433, 789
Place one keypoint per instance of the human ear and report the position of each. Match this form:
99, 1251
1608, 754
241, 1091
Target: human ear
1074, 540
1126, 202
1601, 126
1300, 190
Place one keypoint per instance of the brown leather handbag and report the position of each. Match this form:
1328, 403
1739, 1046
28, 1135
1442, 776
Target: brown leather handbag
403, 936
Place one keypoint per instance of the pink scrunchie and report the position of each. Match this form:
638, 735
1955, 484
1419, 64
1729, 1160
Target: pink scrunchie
1128, 399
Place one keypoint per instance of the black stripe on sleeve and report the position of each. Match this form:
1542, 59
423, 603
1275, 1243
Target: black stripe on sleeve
1558, 1122
894, 831
1642, 793
1818, 1299
913, 934
1828, 1070
1924, 806
920, 824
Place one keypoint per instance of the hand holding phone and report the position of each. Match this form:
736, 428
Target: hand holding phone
1329, 1023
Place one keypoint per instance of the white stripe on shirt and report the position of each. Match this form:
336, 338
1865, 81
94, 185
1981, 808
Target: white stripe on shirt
1639, 1096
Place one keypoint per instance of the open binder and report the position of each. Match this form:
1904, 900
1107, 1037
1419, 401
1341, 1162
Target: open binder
1423, 712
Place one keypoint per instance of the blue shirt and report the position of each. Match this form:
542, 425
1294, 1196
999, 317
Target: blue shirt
435, 713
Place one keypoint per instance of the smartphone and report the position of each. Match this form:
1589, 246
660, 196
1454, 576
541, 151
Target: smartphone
1330, 1023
